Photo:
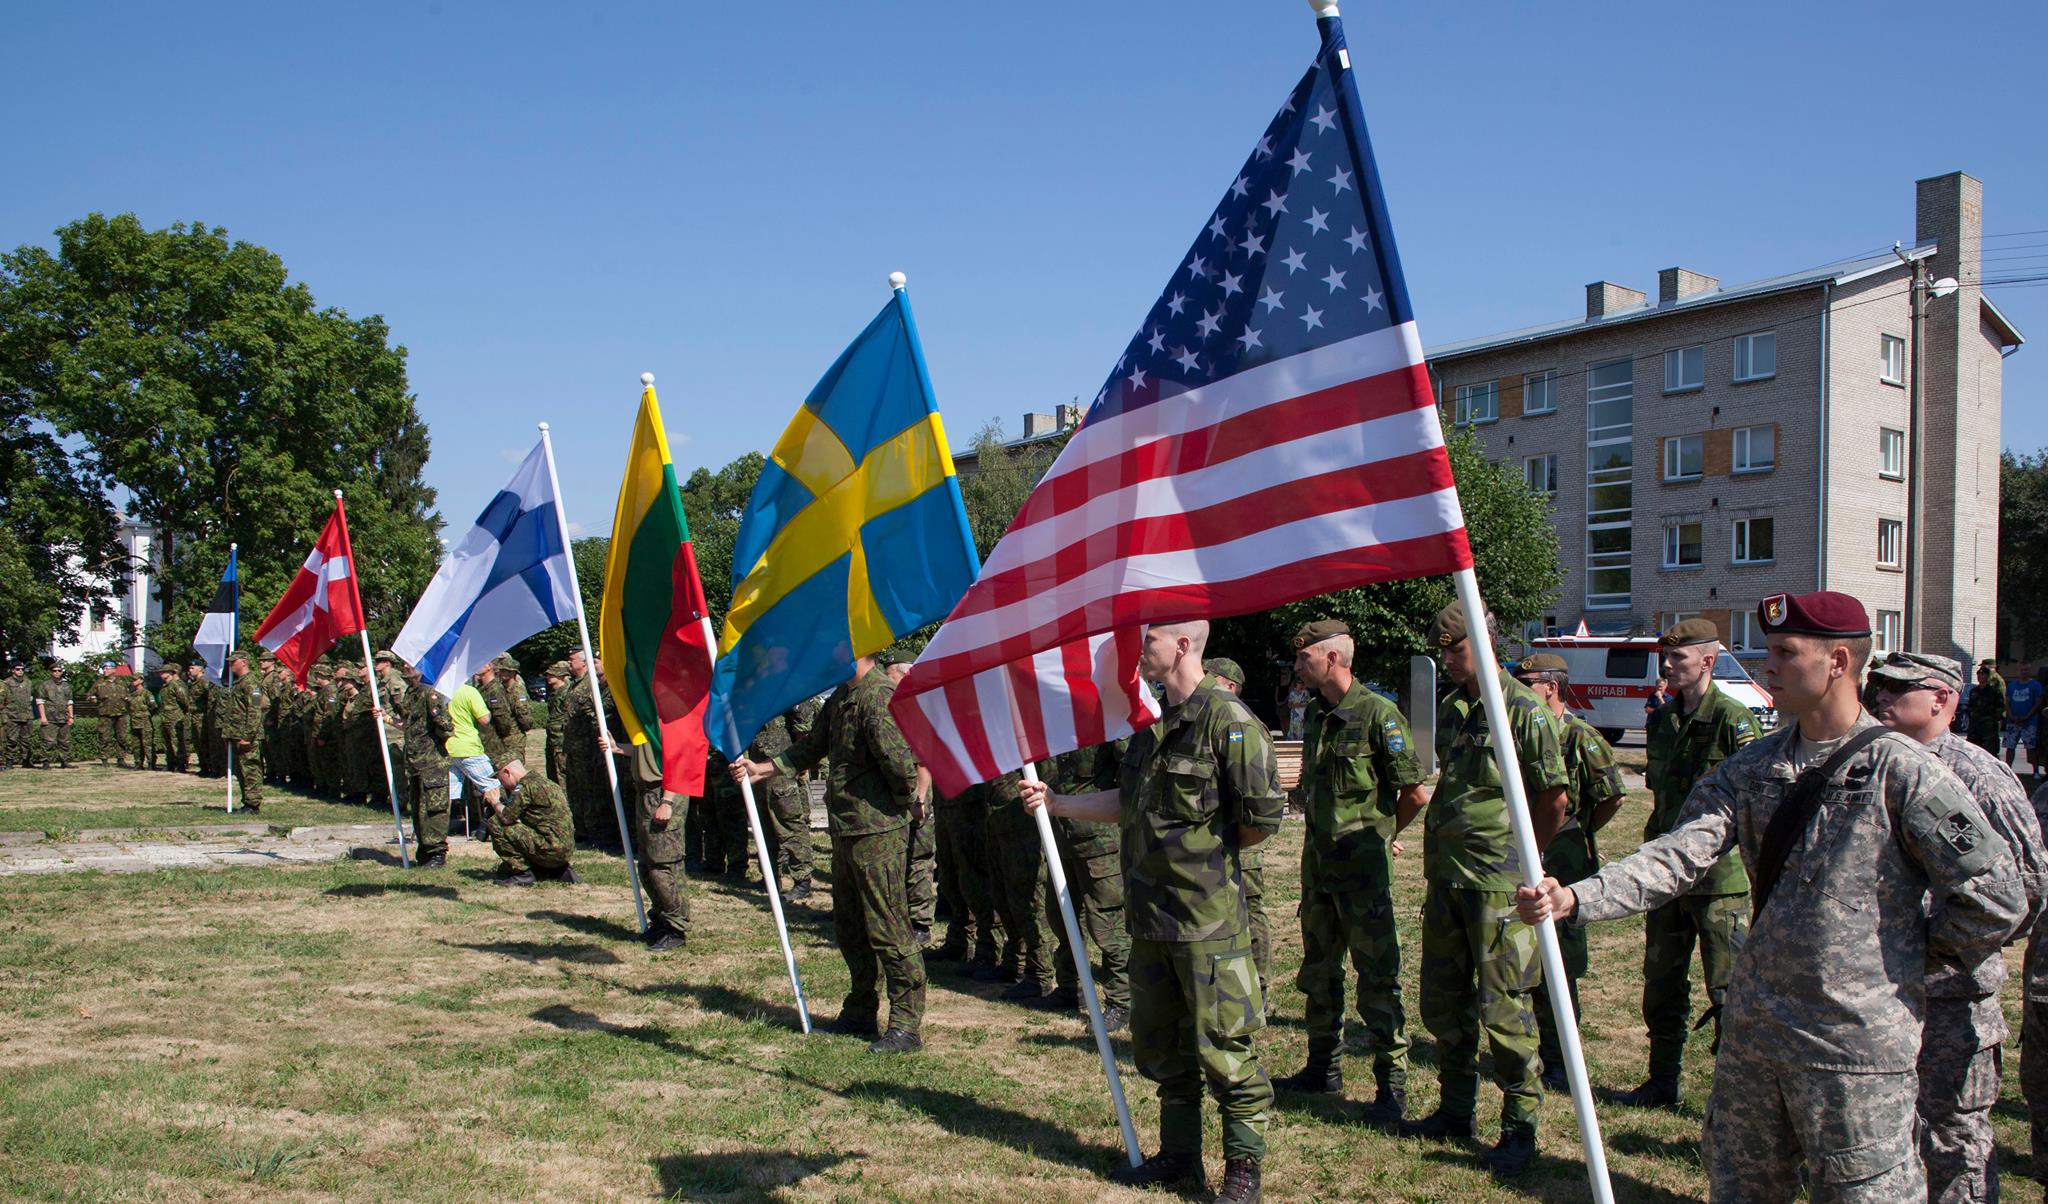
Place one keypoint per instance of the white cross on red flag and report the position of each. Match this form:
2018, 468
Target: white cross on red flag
322, 605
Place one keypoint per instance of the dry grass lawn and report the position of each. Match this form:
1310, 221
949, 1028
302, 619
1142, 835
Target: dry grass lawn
353, 1031
63, 802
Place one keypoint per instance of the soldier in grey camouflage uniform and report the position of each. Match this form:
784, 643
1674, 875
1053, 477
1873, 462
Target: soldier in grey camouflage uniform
871, 793
1361, 781
1091, 857
1195, 789
1960, 1065
1823, 1016
1479, 967
2034, 1022
1595, 794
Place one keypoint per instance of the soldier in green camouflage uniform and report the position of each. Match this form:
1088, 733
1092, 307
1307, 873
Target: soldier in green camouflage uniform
1227, 674
53, 696
580, 753
557, 678
1595, 793
657, 840
923, 885
498, 697
327, 734
174, 706
1361, 783
1688, 737
1194, 790
528, 826
358, 739
110, 704
870, 789
241, 730
392, 690
426, 767
198, 688
961, 822
19, 716
1479, 963
141, 724
1020, 884
1091, 857
784, 808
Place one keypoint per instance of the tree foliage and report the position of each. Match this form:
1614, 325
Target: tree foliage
187, 372
2022, 554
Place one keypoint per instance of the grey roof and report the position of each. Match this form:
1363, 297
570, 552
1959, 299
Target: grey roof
1840, 272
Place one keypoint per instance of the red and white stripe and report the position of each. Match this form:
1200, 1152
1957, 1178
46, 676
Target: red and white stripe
1319, 472
319, 607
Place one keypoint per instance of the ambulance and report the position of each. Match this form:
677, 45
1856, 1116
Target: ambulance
1612, 676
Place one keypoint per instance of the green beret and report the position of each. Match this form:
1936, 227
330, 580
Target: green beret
1318, 631
1687, 632
1224, 668
1542, 662
1448, 627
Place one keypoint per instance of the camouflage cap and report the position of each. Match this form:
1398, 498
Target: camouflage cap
506, 760
558, 669
268, 658
1542, 662
505, 663
1318, 631
1687, 632
1912, 668
1224, 668
240, 654
170, 667
384, 654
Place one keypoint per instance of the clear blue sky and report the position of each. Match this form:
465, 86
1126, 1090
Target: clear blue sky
546, 201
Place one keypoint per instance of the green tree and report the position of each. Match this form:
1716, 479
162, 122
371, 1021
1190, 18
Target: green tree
186, 371
714, 503
1003, 477
2022, 554
58, 552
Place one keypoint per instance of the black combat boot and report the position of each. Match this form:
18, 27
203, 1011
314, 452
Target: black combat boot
854, 1024
522, 878
1322, 1076
1439, 1126
1027, 990
1654, 1093
1167, 1168
1512, 1153
1060, 999
800, 891
896, 1041
1115, 1016
952, 949
1389, 1108
1240, 1181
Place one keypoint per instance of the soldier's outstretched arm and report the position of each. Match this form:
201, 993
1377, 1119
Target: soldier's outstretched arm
1665, 868
1096, 807
1978, 896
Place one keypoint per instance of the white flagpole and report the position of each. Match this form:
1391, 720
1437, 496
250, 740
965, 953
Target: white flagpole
1079, 948
234, 634
376, 702
230, 745
768, 874
611, 762
1506, 760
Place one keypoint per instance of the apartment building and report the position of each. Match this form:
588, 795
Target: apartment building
1716, 445
134, 610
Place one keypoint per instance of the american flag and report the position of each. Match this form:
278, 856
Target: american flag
1269, 434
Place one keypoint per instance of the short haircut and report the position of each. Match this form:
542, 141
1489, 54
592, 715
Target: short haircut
1196, 631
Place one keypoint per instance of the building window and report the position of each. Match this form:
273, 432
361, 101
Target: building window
1541, 474
1685, 369
1682, 546
1891, 543
1892, 349
1756, 448
1887, 633
1891, 454
1756, 356
1478, 403
1684, 456
1539, 393
1755, 541
1742, 632
1673, 617
1610, 483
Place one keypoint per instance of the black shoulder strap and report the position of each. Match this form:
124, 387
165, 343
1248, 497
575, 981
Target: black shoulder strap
1795, 814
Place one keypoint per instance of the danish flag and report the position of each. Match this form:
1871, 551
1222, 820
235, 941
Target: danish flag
322, 605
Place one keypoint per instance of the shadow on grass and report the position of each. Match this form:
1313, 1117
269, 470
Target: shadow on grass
1645, 1145
575, 1021
728, 1002
588, 925
371, 890
380, 856
755, 1175
538, 951
1550, 1178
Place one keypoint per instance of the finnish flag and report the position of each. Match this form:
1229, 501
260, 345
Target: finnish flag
508, 579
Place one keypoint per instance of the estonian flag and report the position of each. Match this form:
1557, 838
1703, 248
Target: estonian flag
220, 630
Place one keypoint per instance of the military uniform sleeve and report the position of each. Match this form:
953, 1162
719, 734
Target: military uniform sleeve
892, 751
1538, 748
1738, 728
810, 745
1394, 755
1251, 771
1664, 868
1599, 778
1975, 884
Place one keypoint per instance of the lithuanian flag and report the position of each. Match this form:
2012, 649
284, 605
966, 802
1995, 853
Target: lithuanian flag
653, 631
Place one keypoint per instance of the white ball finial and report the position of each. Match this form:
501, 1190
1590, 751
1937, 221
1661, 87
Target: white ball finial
898, 280
1324, 8
543, 427
647, 378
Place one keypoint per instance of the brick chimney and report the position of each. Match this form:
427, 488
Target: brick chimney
1037, 423
1676, 284
1604, 297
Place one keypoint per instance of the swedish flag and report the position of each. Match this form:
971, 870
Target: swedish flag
855, 534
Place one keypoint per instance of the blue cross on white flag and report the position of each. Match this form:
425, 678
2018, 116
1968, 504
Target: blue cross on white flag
508, 579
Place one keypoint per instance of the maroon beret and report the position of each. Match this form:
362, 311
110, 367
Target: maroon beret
1836, 616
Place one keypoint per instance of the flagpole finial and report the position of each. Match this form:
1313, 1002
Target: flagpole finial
337, 495
1324, 8
647, 379
898, 280
543, 427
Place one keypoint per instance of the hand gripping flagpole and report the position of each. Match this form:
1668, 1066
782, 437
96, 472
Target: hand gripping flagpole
768, 874
370, 671
1079, 949
611, 762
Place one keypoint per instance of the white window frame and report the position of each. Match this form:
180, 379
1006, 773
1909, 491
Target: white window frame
1886, 632
1741, 534
1674, 544
1549, 463
1742, 634
1610, 469
1891, 359
1539, 383
1675, 380
1891, 531
1896, 439
1675, 617
1469, 414
1674, 457
1745, 356
1743, 440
